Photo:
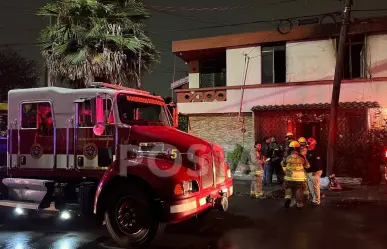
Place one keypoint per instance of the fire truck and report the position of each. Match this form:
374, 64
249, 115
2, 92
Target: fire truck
113, 153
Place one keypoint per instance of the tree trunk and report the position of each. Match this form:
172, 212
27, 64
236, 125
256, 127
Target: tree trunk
89, 79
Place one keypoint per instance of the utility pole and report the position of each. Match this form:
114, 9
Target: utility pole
336, 87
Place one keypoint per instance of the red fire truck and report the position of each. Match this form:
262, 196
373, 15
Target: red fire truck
112, 152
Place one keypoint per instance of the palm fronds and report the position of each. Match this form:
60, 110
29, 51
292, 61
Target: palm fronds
97, 39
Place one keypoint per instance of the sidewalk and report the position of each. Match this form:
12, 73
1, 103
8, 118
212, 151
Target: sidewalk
352, 190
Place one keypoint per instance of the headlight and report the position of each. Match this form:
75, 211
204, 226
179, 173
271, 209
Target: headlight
186, 187
229, 173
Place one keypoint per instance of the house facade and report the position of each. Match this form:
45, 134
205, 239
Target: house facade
246, 86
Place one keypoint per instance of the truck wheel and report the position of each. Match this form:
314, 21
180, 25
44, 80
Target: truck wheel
130, 218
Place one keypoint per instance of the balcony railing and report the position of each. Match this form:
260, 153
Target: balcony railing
201, 95
212, 80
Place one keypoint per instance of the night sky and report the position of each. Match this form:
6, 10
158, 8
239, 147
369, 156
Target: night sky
19, 26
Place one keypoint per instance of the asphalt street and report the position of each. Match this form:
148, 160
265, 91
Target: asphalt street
249, 223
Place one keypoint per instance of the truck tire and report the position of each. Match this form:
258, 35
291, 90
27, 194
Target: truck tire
131, 218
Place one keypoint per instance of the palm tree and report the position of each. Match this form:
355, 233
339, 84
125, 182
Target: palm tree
97, 40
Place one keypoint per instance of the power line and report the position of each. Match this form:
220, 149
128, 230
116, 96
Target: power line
242, 23
223, 8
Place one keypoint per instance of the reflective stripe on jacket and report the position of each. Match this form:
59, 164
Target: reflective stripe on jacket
294, 166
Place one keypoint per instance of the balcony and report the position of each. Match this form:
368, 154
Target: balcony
201, 95
228, 99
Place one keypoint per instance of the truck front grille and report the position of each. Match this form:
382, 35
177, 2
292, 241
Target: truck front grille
206, 170
219, 166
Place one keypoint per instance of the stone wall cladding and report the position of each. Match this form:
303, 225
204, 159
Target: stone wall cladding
223, 129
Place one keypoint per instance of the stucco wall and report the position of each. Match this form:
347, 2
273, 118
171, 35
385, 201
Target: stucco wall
194, 80
310, 60
223, 129
306, 61
235, 61
377, 56
359, 91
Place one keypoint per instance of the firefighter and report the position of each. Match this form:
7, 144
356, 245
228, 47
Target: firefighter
256, 160
303, 148
288, 139
303, 152
294, 166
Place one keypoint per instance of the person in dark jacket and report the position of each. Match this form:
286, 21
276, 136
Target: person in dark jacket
315, 171
275, 161
266, 155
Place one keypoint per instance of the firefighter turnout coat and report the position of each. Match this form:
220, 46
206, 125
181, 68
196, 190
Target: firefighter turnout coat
294, 166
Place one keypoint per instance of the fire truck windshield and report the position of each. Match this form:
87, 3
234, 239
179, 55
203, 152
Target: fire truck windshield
135, 110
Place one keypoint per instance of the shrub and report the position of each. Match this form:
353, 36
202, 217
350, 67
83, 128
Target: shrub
235, 156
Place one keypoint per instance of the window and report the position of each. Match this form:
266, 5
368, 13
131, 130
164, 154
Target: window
274, 64
38, 116
141, 113
213, 71
85, 114
354, 60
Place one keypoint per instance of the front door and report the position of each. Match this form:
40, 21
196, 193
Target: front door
36, 136
312, 129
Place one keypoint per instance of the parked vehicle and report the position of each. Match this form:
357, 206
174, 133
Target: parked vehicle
112, 152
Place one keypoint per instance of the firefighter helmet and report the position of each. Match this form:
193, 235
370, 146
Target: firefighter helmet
289, 134
302, 140
294, 144
312, 141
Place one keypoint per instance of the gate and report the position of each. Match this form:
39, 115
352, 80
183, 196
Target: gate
352, 133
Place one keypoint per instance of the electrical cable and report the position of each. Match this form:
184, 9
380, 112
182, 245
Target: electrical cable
224, 8
243, 23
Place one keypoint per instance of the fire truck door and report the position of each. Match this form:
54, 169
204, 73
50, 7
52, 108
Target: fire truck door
37, 135
92, 151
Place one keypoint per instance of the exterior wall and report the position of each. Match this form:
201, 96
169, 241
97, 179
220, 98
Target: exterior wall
223, 129
284, 95
306, 61
235, 61
376, 55
194, 80
310, 60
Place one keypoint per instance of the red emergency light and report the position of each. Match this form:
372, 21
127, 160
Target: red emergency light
385, 153
116, 87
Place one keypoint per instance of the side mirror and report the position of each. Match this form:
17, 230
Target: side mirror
99, 112
175, 114
93, 109
99, 119
99, 129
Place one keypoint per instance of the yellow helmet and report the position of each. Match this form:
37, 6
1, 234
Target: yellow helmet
302, 140
289, 134
294, 144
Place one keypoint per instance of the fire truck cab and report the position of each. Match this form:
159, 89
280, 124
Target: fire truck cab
112, 152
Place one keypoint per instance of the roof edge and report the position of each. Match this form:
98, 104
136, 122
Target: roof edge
315, 31
342, 105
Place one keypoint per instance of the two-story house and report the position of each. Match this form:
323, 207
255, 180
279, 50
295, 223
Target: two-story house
243, 87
